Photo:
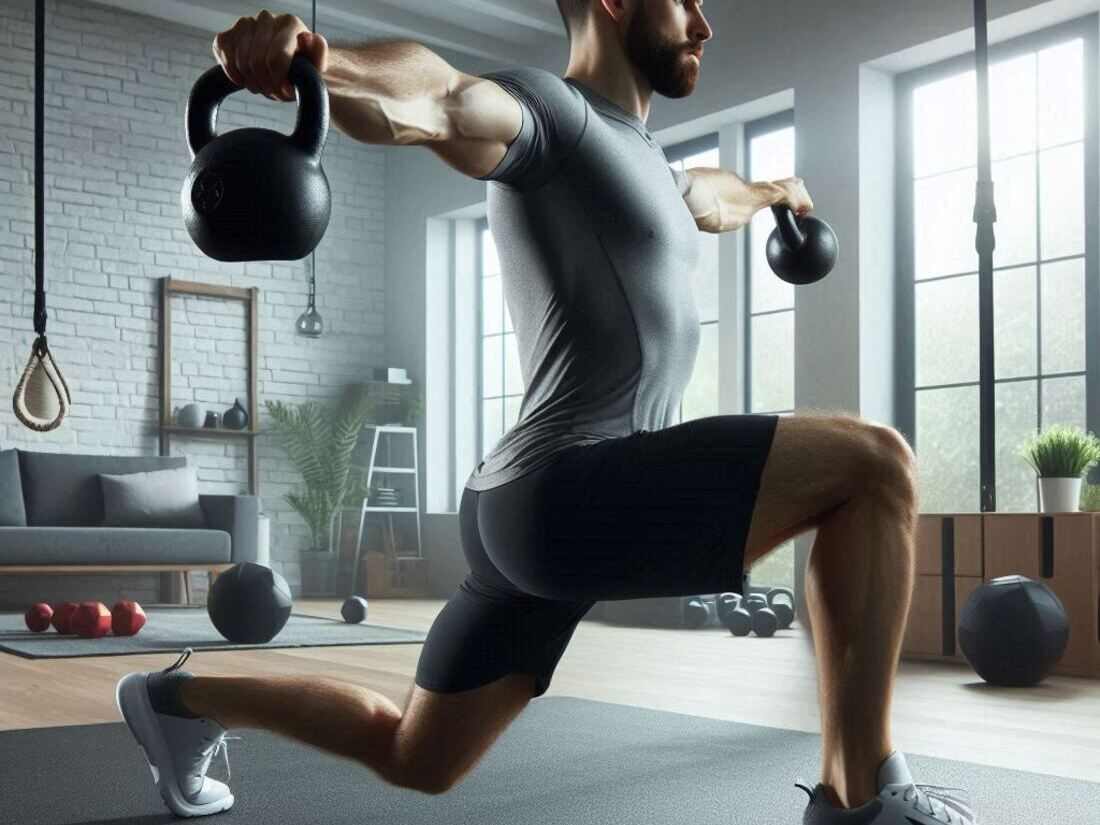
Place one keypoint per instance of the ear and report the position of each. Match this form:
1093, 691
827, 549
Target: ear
614, 9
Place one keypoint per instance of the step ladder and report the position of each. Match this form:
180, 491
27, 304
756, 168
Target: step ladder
387, 433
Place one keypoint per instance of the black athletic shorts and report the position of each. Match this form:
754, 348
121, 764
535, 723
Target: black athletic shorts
651, 514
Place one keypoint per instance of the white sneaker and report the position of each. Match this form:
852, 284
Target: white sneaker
899, 802
178, 749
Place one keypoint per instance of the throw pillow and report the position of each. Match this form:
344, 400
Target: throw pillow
13, 513
161, 498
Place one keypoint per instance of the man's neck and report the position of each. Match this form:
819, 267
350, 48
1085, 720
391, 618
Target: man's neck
612, 76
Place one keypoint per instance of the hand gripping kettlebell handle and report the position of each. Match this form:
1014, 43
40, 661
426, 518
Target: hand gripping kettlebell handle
787, 224
214, 86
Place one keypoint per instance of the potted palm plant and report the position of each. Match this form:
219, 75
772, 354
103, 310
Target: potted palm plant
319, 440
1060, 456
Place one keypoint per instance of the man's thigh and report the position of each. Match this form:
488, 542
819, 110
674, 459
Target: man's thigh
816, 463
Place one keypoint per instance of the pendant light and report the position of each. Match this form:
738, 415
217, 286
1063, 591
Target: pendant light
42, 397
309, 323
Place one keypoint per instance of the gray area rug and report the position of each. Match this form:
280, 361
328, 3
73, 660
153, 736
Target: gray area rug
563, 762
171, 628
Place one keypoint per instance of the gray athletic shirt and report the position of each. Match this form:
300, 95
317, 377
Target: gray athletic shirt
598, 253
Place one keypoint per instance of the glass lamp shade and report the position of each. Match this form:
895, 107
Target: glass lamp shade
310, 323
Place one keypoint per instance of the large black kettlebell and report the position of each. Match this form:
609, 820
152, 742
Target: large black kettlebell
256, 194
801, 251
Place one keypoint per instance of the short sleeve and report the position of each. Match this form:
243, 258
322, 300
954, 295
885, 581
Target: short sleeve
681, 179
554, 118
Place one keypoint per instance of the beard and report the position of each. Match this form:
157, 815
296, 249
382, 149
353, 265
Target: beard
661, 61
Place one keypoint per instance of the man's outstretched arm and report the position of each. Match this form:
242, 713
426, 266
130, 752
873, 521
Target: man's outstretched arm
721, 201
388, 92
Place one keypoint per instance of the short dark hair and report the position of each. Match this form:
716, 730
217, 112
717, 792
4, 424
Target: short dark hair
574, 12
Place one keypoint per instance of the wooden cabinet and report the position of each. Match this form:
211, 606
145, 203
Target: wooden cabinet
949, 569
957, 552
1061, 551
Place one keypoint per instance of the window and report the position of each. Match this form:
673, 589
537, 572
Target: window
701, 394
501, 380
1044, 161
769, 308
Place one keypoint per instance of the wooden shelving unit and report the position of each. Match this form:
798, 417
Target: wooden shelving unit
168, 430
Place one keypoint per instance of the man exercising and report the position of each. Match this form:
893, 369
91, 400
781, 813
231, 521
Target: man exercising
593, 494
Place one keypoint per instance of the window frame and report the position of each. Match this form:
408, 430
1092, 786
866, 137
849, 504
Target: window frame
757, 128
1084, 28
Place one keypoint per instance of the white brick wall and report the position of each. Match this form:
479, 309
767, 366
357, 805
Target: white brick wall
116, 88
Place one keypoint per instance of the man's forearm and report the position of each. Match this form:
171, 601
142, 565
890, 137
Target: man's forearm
722, 201
391, 91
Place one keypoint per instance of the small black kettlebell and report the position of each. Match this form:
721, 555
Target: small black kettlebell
256, 194
801, 251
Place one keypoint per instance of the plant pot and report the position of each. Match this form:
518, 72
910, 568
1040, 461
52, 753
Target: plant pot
318, 574
1059, 495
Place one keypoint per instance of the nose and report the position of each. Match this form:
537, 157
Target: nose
701, 31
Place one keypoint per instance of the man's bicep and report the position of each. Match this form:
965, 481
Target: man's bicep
483, 121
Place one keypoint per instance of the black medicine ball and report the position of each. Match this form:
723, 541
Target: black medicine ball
249, 603
1013, 631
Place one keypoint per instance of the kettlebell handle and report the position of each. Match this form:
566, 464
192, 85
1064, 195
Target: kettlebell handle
787, 223
214, 86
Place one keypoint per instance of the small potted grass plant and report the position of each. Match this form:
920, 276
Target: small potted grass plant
1060, 457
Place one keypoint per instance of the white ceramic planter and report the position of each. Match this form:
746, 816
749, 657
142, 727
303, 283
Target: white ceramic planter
1059, 495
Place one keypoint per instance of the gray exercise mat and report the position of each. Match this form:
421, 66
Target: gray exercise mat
563, 762
169, 629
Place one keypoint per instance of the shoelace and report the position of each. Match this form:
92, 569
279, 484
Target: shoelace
219, 747
932, 797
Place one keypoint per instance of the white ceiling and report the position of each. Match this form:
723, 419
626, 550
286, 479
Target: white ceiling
496, 30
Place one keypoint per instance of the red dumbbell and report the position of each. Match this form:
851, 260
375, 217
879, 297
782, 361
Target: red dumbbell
38, 617
92, 620
62, 617
127, 618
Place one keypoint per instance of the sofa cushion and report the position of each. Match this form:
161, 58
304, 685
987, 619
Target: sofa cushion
63, 490
161, 498
111, 545
12, 511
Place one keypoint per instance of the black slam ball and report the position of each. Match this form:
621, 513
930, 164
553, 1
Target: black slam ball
249, 603
1013, 631
354, 610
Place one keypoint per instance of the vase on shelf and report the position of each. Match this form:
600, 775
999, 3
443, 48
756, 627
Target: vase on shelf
213, 419
191, 415
236, 417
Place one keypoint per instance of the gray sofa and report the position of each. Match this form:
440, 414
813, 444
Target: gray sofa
61, 529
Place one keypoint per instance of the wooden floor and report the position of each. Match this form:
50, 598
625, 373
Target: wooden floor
940, 710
